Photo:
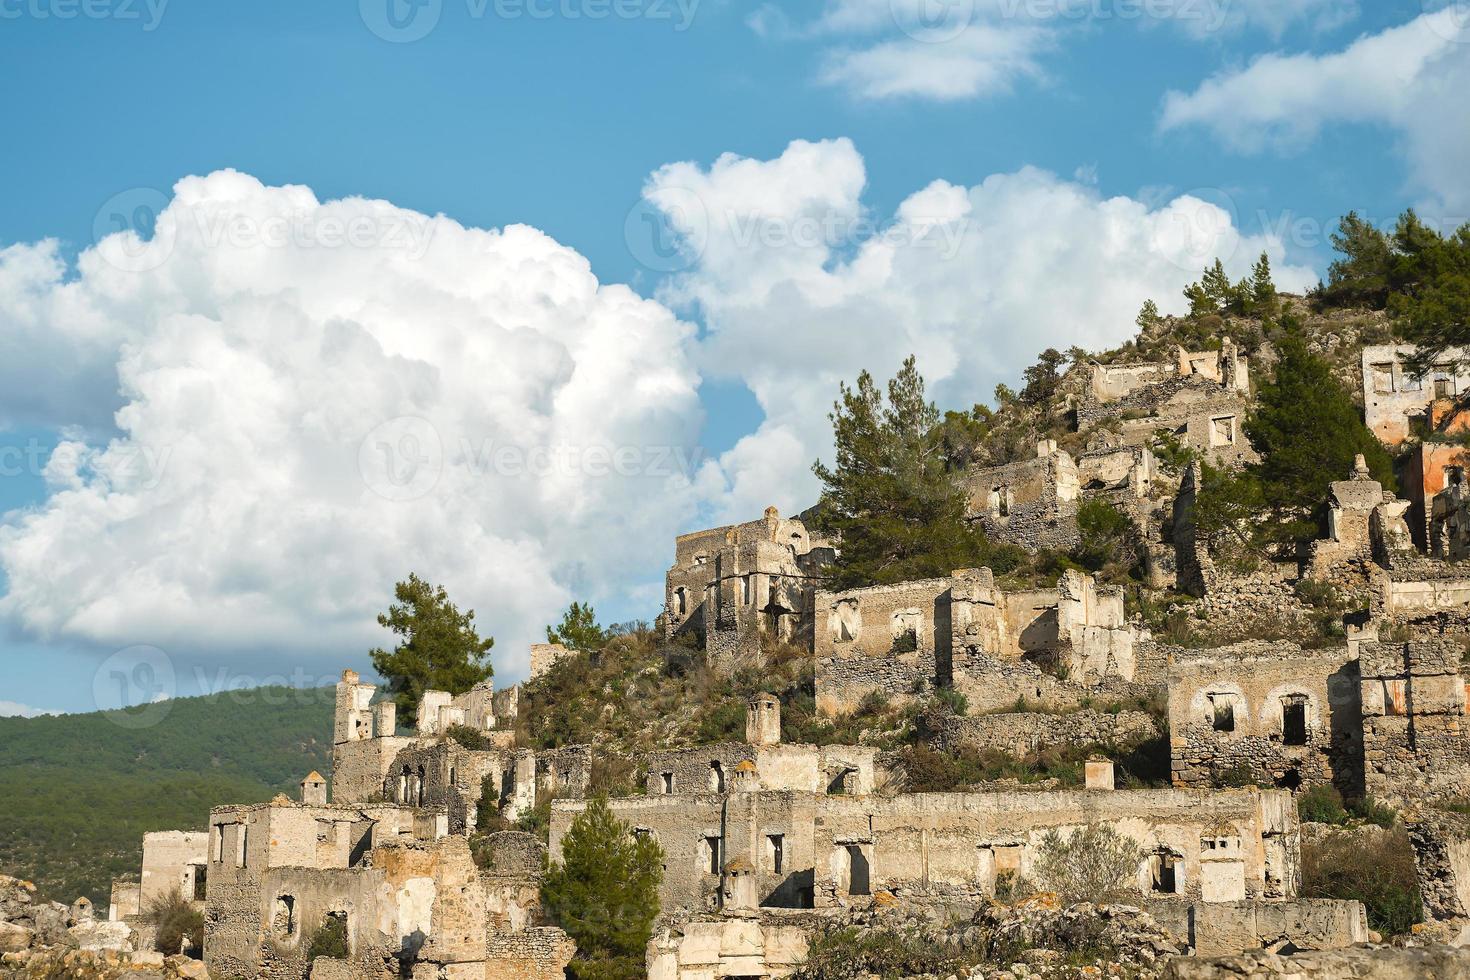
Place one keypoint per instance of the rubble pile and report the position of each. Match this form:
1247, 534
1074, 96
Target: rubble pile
40, 940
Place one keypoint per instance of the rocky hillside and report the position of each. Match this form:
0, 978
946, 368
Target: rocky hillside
77, 792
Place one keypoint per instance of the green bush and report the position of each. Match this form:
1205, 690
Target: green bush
470, 738
1107, 537
952, 699
1091, 864
1321, 804
906, 642
1377, 870
178, 926
847, 954
329, 940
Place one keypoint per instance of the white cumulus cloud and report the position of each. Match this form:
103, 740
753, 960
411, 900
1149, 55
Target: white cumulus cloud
314, 398
1409, 79
801, 286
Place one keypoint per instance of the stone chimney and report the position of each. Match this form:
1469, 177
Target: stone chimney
763, 720
385, 719
314, 790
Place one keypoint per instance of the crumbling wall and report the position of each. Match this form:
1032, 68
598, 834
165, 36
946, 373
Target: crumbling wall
1265, 711
1413, 704
1032, 503
1394, 397
892, 640
1441, 843
711, 948
1021, 733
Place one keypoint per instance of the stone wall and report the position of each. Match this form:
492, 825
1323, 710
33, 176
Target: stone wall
1021, 733
1393, 396
1217, 928
1413, 703
695, 948
1265, 712
1032, 503
1441, 843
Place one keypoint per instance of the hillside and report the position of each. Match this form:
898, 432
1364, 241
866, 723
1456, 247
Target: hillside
77, 792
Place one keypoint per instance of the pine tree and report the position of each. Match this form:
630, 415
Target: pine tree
578, 630
1307, 430
1262, 289
890, 497
1148, 316
604, 893
439, 648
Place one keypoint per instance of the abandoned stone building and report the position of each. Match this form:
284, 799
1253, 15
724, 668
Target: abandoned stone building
1398, 402
1032, 503
749, 843
1200, 397
1266, 712
898, 641
738, 586
387, 855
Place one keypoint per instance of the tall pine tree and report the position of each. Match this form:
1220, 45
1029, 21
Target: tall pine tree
1307, 430
899, 512
438, 649
604, 893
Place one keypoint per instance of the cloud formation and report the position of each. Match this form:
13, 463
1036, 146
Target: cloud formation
801, 286
1409, 79
314, 399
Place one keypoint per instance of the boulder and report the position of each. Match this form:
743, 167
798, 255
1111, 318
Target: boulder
95, 935
14, 937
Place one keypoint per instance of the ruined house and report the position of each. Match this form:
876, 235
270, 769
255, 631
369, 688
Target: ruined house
744, 847
1200, 397
738, 587
1415, 743
1032, 503
995, 647
1397, 401
1266, 712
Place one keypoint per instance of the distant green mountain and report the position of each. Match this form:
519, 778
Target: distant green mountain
77, 792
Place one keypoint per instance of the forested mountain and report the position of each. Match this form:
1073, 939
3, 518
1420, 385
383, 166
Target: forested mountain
77, 792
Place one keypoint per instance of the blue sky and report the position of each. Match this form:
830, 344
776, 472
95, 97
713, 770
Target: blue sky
554, 115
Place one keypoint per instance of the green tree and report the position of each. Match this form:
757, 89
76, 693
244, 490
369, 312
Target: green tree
578, 629
1361, 277
1262, 288
1094, 863
1042, 379
1307, 430
899, 512
1148, 316
604, 893
439, 648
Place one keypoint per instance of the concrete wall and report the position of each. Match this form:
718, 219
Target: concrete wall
1415, 742
711, 949
173, 859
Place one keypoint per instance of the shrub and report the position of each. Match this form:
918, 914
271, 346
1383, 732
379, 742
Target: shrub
1377, 870
470, 738
847, 954
952, 699
1107, 537
1374, 812
1321, 804
178, 927
330, 939
1092, 864
906, 642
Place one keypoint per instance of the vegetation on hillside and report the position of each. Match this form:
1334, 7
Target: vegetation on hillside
438, 650
79, 791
